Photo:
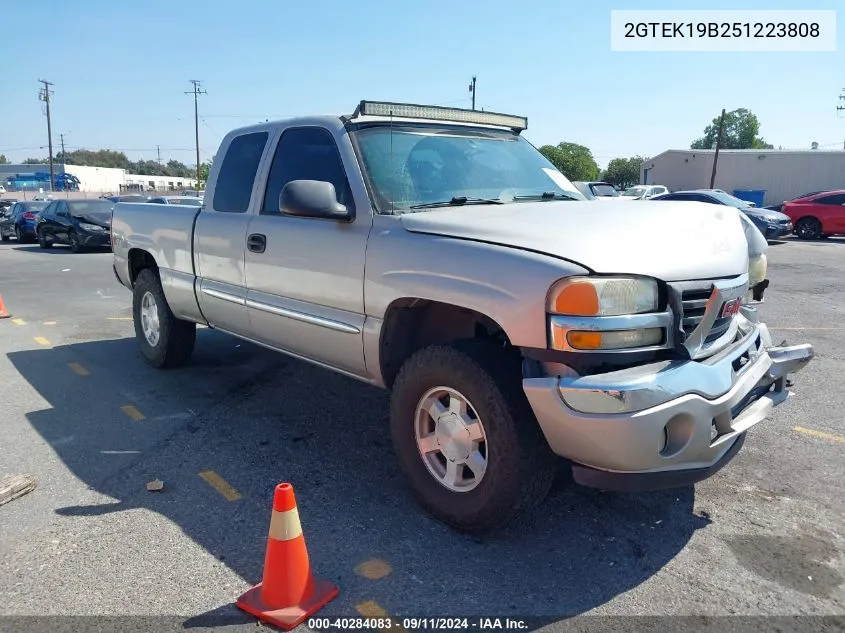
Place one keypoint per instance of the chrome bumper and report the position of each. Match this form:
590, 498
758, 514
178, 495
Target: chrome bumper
667, 416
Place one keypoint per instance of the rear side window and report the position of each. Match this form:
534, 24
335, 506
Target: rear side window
835, 199
305, 153
237, 173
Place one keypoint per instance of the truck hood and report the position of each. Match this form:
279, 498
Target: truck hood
668, 240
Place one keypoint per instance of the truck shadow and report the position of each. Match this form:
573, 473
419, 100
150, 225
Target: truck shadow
258, 418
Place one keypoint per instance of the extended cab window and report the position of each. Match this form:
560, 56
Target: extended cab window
306, 153
237, 173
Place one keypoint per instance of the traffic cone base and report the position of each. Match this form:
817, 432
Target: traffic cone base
4, 313
288, 618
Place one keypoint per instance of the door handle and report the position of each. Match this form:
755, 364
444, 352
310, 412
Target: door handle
256, 242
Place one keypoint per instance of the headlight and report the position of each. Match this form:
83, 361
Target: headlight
603, 296
757, 267
92, 228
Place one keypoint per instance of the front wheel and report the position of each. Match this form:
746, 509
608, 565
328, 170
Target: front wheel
42, 240
73, 239
165, 341
466, 437
808, 229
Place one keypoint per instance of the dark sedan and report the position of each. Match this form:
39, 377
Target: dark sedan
772, 224
81, 224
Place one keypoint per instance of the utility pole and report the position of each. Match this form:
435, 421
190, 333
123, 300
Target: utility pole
196, 92
472, 90
840, 108
44, 95
158, 153
64, 156
718, 144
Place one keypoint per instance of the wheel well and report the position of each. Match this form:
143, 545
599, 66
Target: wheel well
138, 261
807, 217
411, 324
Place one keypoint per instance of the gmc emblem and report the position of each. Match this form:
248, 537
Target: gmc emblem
731, 308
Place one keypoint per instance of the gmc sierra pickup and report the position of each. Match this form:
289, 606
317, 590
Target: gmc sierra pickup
436, 253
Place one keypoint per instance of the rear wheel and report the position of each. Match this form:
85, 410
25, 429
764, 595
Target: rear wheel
164, 340
808, 229
18, 235
466, 437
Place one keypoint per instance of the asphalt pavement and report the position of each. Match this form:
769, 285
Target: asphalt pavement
94, 424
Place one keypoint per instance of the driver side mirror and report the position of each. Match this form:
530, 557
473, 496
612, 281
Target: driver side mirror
313, 199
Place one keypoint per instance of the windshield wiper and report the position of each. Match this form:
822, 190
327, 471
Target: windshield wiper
547, 195
456, 201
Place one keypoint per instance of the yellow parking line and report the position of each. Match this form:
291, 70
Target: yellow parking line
809, 329
374, 569
78, 369
42, 341
50, 322
220, 485
118, 318
132, 412
825, 436
18, 321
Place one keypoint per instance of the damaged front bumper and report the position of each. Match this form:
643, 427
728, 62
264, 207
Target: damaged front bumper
669, 423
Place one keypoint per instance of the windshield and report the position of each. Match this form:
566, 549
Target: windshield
34, 207
410, 166
728, 199
94, 210
605, 191
634, 192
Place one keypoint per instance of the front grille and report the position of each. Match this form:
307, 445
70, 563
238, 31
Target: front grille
694, 302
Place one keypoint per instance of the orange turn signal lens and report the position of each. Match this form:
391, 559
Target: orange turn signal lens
585, 340
577, 298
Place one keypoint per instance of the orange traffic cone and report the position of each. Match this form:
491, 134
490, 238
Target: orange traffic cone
4, 314
288, 593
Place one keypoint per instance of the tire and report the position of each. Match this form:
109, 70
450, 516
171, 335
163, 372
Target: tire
18, 235
4, 237
42, 240
176, 338
520, 466
73, 240
808, 229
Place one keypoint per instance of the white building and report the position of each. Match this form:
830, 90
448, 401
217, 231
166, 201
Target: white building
783, 174
104, 179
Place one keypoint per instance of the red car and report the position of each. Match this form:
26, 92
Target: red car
819, 215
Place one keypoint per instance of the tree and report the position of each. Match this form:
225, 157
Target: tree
574, 161
740, 132
4, 160
204, 169
36, 161
624, 172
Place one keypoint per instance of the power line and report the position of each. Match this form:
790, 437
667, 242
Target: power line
44, 95
196, 92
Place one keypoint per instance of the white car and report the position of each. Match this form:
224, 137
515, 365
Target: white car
643, 192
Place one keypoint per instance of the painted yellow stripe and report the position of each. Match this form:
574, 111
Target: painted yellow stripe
18, 321
118, 318
220, 485
374, 569
42, 341
825, 436
132, 412
78, 369
50, 322
809, 329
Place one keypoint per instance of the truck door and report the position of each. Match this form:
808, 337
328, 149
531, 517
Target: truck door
220, 233
305, 276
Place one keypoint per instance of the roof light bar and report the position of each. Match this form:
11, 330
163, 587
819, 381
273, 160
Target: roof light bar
439, 113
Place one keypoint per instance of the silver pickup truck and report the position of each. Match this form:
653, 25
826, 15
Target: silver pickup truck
436, 253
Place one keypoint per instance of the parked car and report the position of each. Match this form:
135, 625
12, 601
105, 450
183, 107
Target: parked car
772, 224
20, 221
191, 201
129, 197
780, 207
436, 253
643, 192
818, 215
81, 224
600, 190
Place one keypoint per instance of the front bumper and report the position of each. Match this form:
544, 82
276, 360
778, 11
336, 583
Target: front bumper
95, 240
668, 423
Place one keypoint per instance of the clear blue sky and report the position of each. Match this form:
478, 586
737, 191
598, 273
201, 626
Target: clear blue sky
120, 70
